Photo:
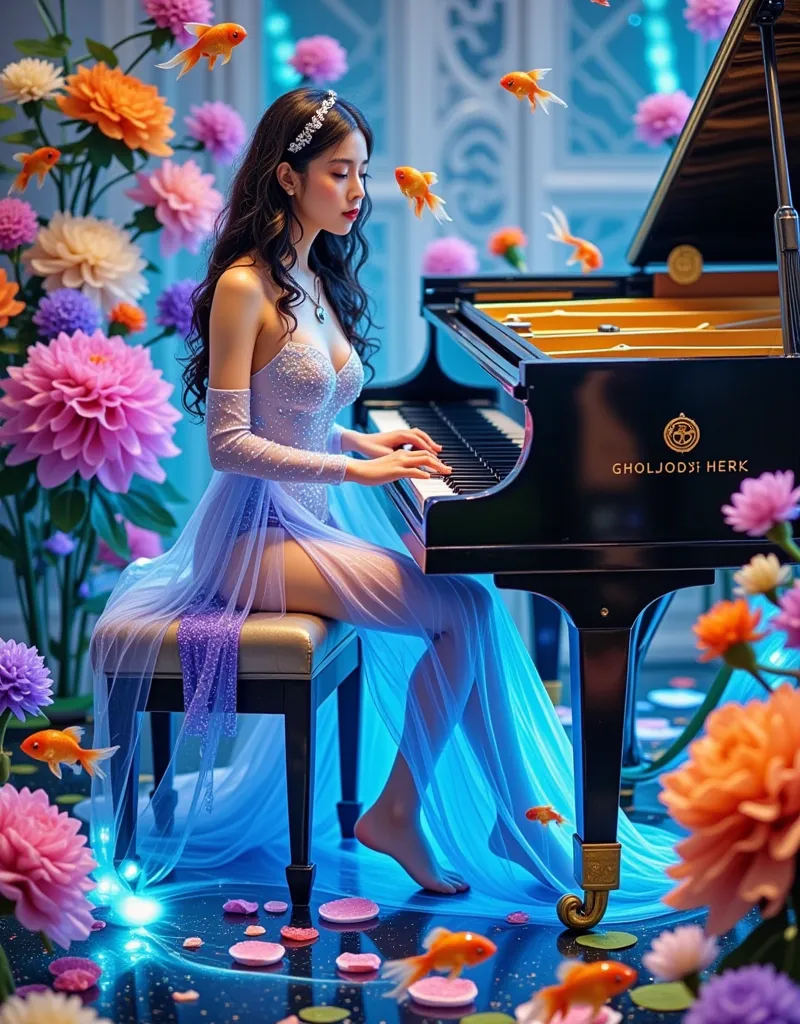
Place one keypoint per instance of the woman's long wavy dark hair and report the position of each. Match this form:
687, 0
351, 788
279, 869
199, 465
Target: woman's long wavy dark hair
258, 220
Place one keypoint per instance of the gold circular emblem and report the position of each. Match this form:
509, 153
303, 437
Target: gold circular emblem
685, 264
681, 434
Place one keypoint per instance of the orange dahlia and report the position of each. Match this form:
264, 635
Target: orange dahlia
121, 106
9, 306
130, 316
726, 626
506, 238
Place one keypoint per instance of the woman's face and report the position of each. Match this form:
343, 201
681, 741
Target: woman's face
329, 196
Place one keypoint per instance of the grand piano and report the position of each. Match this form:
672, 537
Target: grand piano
633, 406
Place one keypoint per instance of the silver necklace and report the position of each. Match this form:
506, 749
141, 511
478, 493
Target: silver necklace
319, 311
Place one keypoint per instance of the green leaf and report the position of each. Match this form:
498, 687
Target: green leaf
28, 503
673, 995
162, 493
67, 509
8, 544
73, 147
107, 527
7, 112
95, 604
142, 510
102, 52
26, 138
32, 108
57, 648
52, 105
99, 149
154, 268
55, 46
5, 169
766, 944
607, 940
116, 328
144, 220
15, 479
161, 37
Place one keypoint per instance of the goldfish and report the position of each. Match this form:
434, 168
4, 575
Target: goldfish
544, 815
581, 985
587, 254
39, 162
55, 748
415, 186
212, 41
602, 3
445, 950
525, 86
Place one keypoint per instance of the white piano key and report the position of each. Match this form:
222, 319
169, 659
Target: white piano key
510, 428
387, 419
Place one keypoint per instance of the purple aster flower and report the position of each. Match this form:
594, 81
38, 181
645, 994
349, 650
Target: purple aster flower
59, 544
755, 994
173, 14
450, 256
661, 116
320, 58
709, 18
84, 591
24, 680
219, 127
67, 310
788, 618
175, 307
18, 224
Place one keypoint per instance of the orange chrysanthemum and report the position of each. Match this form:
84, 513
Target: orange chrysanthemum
506, 238
121, 106
130, 316
9, 306
739, 797
726, 625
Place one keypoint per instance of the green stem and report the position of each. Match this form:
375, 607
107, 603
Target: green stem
108, 184
34, 618
81, 178
795, 673
6, 977
760, 679
158, 337
136, 35
89, 200
65, 674
5, 763
141, 55
58, 177
63, 6
46, 17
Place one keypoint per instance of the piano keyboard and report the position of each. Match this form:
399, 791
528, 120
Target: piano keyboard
481, 445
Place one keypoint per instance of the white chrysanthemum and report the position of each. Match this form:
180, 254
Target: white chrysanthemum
48, 1008
95, 256
31, 79
762, 574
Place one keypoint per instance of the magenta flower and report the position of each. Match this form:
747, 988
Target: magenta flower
680, 953
143, 544
185, 201
174, 14
320, 58
44, 866
18, 223
709, 18
759, 504
25, 682
91, 405
450, 256
219, 127
788, 618
661, 116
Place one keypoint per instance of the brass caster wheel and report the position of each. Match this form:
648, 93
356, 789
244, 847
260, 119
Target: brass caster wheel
581, 915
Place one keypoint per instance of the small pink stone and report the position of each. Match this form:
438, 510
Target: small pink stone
25, 990
299, 934
240, 907
358, 963
76, 980
257, 954
75, 963
276, 907
193, 942
351, 910
518, 917
437, 991
190, 996
683, 682
255, 929
98, 926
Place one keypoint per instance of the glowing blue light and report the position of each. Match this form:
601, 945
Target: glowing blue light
105, 835
283, 50
667, 81
130, 869
660, 56
634, 20
286, 75
277, 24
108, 885
139, 910
132, 945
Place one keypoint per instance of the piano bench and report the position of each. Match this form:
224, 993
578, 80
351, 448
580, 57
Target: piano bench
288, 665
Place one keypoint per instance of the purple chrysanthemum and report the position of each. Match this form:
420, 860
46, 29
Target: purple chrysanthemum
320, 58
710, 18
219, 127
661, 116
18, 224
174, 14
175, 307
24, 680
750, 995
67, 310
450, 256
59, 544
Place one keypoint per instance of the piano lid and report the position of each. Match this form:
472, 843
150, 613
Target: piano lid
717, 191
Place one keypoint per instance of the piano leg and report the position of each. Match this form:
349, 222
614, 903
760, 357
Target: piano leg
643, 632
602, 609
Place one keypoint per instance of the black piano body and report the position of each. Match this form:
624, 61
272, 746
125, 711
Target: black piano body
642, 403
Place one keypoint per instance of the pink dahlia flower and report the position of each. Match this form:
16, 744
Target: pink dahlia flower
759, 504
788, 618
88, 404
450, 256
661, 116
185, 201
320, 58
143, 544
219, 127
18, 224
44, 866
709, 18
174, 14
680, 953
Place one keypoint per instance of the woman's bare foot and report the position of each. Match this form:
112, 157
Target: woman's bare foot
401, 838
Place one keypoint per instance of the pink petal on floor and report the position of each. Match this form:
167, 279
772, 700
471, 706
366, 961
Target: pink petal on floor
76, 980
190, 996
240, 907
351, 910
299, 934
276, 907
255, 929
683, 682
75, 963
518, 917
443, 991
25, 990
257, 954
358, 963
193, 942
98, 926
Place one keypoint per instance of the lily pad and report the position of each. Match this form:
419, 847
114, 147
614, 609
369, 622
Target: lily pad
24, 769
488, 1018
663, 998
323, 1014
607, 940
70, 799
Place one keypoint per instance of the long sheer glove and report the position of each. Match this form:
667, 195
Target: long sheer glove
234, 448
335, 439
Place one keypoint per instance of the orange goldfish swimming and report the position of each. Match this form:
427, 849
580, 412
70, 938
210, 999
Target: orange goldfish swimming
544, 815
56, 748
445, 951
586, 253
415, 186
525, 86
580, 985
39, 162
602, 3
212, 41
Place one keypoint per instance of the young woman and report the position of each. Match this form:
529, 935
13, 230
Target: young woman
459, 736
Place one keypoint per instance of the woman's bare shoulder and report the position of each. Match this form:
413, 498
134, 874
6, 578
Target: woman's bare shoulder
242, 282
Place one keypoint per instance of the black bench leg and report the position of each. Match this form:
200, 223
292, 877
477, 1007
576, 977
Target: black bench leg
163, 741
348, 697
299, 730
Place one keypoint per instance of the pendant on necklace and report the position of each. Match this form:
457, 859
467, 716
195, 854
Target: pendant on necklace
320, 314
